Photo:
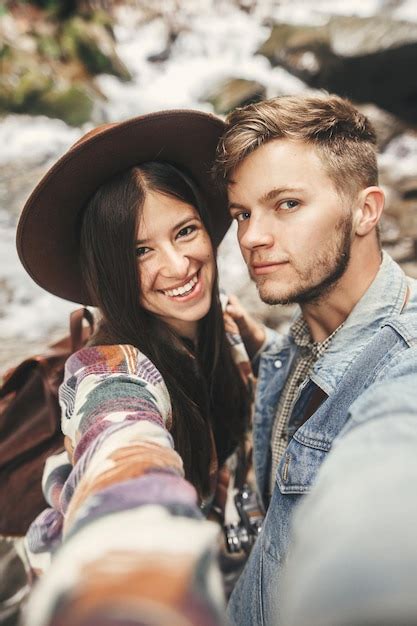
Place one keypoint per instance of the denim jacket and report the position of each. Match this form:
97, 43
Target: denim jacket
358, 565
364, 351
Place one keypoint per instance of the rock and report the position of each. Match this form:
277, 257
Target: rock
383, 77
297, 48
352, 36
404, 191
27, 86
344, 36
365, 59
387, 126
389, 229
93, 45
48, 66
165, 53
49, 47
408, 188
393, 237
71, 103
401, 215
407, 211
410, 268
403, 251
397, 163
392, 197
22, 81
234, 92
402, 187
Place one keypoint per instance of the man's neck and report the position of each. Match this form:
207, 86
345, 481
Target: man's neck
326, 314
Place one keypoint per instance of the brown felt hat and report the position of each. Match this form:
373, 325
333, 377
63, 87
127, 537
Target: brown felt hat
48, 230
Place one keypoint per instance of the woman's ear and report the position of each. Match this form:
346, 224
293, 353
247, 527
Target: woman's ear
368, 212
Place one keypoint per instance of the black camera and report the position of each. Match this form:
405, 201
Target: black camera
242, 535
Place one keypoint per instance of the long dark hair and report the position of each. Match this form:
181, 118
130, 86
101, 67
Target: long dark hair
205, 388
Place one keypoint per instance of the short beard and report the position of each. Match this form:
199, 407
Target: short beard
315, 293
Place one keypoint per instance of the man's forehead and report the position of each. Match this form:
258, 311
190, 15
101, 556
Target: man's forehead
278, 166
279, 150
264, 193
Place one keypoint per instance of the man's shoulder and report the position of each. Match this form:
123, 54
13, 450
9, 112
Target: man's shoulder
405, 325
411, 303
405, 322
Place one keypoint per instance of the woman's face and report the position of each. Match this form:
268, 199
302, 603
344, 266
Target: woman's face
176, 262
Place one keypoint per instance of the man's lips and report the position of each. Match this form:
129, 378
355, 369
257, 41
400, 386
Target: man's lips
258, 269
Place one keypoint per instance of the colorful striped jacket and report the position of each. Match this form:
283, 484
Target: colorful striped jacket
129, 541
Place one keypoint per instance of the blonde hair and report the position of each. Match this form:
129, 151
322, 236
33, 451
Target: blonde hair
344, 138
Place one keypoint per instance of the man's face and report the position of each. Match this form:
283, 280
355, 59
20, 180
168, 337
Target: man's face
294, 229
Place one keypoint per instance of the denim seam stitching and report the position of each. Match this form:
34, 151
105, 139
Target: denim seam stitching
408, 336
310, 442
387, 360
260, 590
284, 489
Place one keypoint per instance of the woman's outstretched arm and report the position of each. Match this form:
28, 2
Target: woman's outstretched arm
134, 547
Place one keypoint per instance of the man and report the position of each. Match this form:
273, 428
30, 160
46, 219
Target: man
302, 182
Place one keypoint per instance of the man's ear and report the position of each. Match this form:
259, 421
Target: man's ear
369, 207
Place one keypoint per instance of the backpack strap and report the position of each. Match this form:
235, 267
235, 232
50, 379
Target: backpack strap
78, 336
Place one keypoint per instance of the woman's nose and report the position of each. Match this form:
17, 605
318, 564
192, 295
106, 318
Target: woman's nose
176, 263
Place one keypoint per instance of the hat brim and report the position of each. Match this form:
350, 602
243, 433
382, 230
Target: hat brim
47, 234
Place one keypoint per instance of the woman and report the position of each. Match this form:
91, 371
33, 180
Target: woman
117, 223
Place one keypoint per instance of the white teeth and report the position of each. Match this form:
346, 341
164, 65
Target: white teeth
181, 291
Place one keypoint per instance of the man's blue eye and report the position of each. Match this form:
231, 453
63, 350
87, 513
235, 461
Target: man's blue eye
241, 217
291, 204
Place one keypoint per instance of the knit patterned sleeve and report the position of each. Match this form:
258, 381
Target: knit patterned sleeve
134, 547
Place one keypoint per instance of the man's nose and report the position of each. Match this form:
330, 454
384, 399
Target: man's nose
257, 233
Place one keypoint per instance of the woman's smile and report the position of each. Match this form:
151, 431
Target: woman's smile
181, 291
176, 262
189, 292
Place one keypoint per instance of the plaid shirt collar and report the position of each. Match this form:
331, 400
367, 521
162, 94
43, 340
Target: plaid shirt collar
301, 335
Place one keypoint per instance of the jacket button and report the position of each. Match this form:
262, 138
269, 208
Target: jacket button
277, 364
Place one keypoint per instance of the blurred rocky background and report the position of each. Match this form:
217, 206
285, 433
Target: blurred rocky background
67, 65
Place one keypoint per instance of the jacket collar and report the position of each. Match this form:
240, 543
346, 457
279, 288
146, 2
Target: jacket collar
384, 298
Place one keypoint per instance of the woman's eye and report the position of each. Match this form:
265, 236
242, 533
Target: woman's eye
140, 252
187, 230
241, 217
289, 204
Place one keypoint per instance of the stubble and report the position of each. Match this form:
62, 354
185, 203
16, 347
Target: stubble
317, 280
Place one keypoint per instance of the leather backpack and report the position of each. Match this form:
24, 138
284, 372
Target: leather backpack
30, 425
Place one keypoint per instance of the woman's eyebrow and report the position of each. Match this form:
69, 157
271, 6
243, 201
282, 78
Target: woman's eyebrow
184, 221
140, 242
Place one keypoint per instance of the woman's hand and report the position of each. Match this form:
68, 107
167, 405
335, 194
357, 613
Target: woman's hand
238, 320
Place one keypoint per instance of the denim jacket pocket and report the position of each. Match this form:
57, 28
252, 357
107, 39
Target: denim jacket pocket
295, 476
299, 466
